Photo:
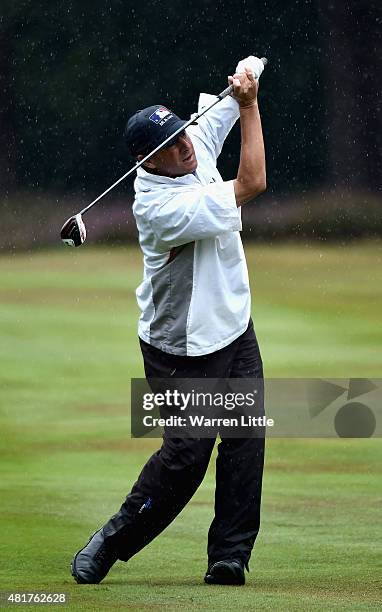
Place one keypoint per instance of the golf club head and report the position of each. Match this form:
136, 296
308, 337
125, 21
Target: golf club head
73, 232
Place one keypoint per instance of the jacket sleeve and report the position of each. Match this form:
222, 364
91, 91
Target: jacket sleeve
214, 127
205, 211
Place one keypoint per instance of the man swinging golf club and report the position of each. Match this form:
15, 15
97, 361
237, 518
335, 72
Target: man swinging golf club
195, 323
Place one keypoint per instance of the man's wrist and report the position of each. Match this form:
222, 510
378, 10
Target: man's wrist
243, 105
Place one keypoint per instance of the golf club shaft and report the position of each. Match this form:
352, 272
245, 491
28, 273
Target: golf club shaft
222, 95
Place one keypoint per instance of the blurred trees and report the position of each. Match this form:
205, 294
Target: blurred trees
352, 75
72, 72
8, 157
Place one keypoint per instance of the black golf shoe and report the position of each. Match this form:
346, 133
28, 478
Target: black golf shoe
91, 564
230, 571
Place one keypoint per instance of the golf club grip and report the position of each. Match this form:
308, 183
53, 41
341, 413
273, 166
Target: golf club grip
229, 89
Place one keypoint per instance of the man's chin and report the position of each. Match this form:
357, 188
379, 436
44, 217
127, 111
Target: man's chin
187, 168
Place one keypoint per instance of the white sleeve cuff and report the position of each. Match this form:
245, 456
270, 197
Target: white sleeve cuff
228, 103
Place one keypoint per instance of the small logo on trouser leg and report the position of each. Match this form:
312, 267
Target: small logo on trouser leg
147, 505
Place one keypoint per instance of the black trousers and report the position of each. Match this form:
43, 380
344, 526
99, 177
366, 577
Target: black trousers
172, 475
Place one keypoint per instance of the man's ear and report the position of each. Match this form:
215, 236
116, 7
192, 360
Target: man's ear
148, 164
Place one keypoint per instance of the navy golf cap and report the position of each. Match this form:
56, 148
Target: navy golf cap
149, 127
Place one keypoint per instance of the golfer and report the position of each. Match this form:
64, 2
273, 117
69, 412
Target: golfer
195, 323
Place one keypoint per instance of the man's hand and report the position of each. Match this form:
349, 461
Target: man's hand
245, 88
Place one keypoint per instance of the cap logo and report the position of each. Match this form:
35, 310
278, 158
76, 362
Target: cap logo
161, 115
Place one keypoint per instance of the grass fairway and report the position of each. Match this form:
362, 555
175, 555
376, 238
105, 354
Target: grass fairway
68, 351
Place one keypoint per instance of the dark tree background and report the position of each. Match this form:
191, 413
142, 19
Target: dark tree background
72, 72
352, 71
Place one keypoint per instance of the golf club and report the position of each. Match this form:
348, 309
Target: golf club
73, 232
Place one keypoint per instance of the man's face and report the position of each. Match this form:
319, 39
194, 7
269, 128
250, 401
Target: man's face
177, 160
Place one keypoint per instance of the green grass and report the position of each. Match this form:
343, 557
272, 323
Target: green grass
68, 351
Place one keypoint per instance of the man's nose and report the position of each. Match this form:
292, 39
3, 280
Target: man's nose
183, 140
